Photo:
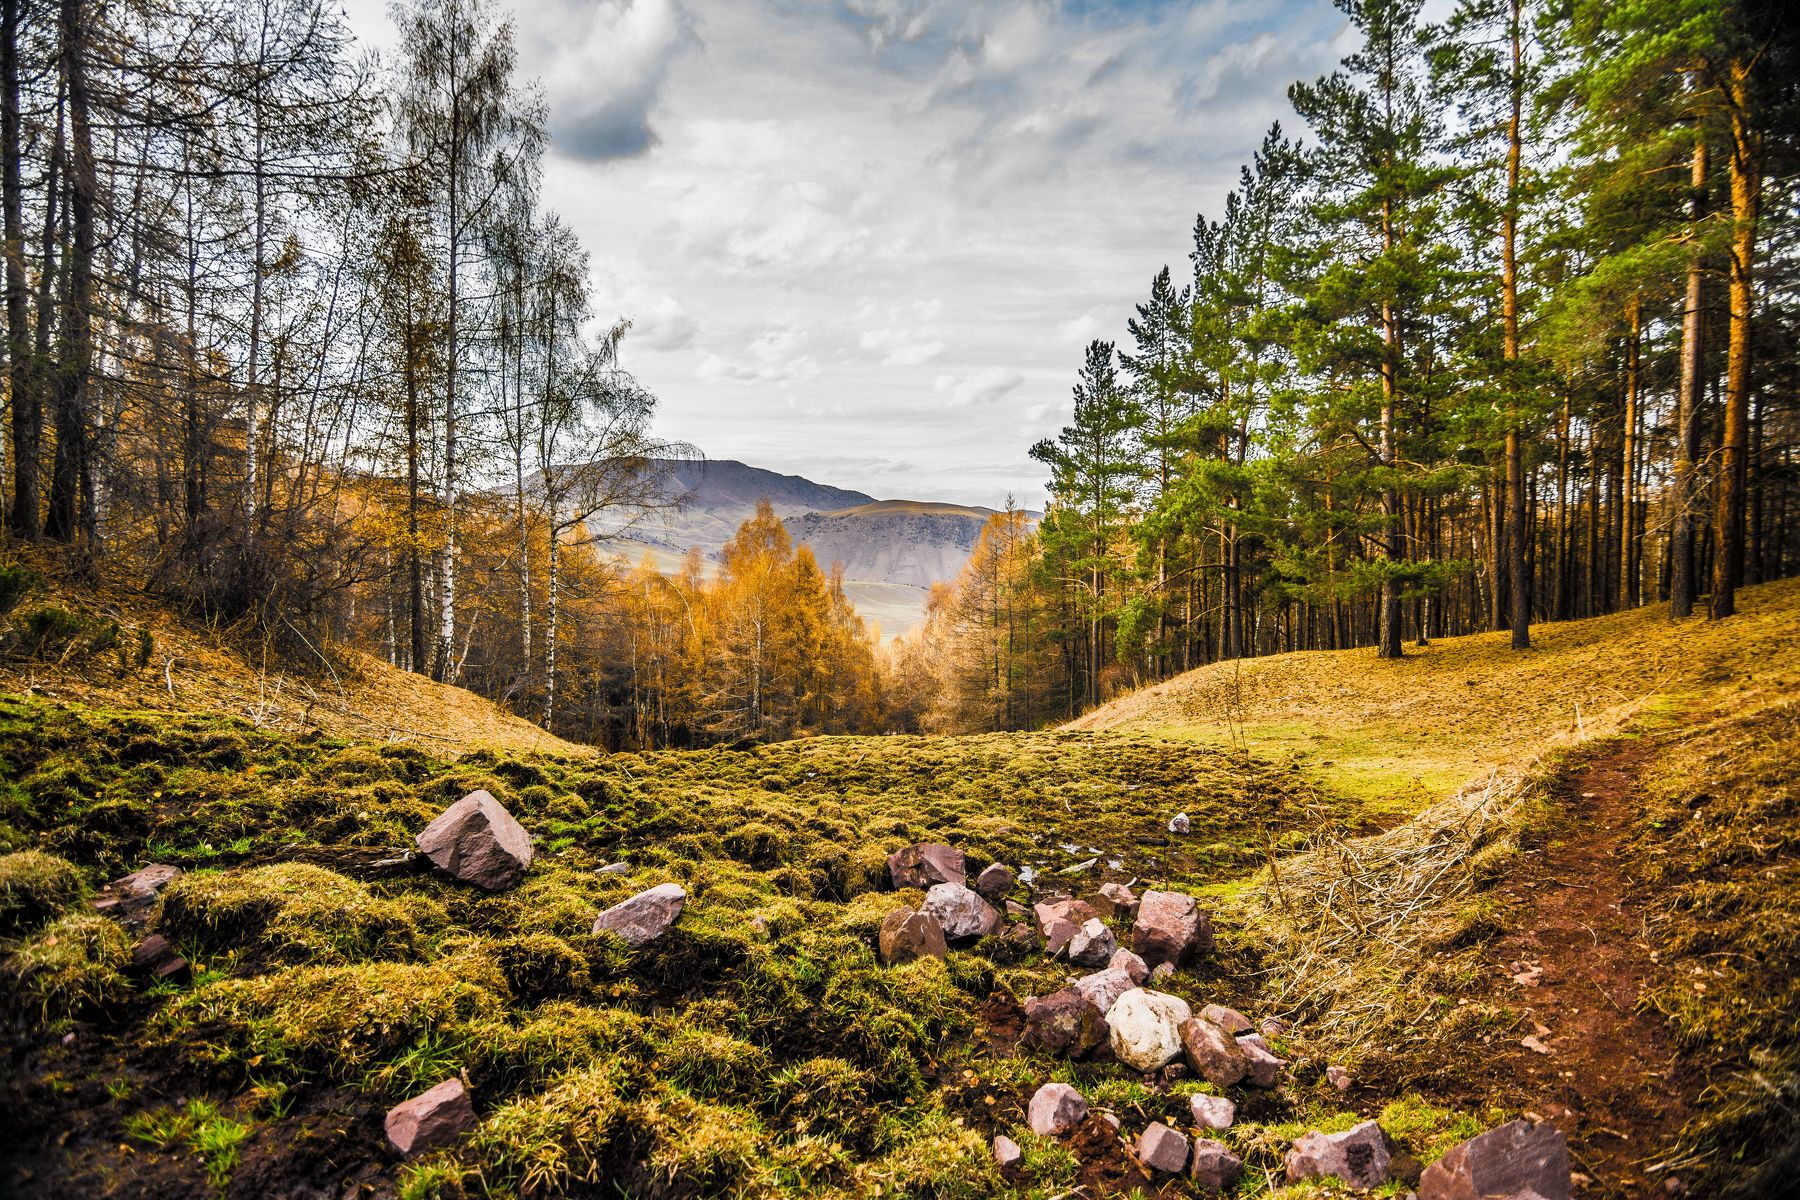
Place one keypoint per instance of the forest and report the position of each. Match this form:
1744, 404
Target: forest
1503, 331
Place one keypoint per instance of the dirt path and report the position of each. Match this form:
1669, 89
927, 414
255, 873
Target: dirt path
1575, 966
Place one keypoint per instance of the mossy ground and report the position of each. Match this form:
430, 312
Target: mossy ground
758, 1049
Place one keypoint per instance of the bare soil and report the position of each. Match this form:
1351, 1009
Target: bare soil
1574, 966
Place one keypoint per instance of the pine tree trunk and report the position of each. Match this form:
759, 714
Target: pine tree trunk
71, 497
27, 409
1515, 453
1728, 512
1687, 420
1628, 426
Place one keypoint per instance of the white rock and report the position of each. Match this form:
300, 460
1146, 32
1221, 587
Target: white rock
1056, 1108
1212, 1112
1146, 1028
960, 912
1093, 946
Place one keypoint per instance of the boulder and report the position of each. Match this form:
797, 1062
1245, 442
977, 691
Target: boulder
1519, 1159
1215, 1168
1117, 900
1131, 964
1146, 1028
1358, 1156
1179, 823
645, 916
906, 935
1170, 928
994, 882
1092, 945
1007, 1152
925, 863
1212, 1112
1057, 936
1163, 1149
1229, 1019
1064, 1022
155, 957
1338, 1077
431, 1119
1212, 1053
1015, 910
1261, 1068
960, 911
1103, 988
476, 841
1055, 1109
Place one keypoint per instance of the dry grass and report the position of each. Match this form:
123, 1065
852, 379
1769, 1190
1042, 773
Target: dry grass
195, 669
1404, 733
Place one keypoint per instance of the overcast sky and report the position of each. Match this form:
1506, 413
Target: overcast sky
865, 241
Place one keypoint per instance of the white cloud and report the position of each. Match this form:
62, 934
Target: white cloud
987, 387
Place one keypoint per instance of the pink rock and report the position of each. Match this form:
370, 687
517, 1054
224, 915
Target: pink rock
1517, 1160
961, 912
1358, 1156
155, 957
1229, 1019
906, 935
476, 841
1092, 945
1103, 988
1131, 964
1212, 1053
1163, 1149
1261, 1068
1055, 1109
1212, 1112
645, 916
1007, 1152
1075, 912
1065, 1023
1117, 900
994, 882
1057, 936
1215, 1168
432, 1119
1338, 1077
1170, 928
926, 863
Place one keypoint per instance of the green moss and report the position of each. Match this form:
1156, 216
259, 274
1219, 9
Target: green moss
35, 887
73, 966
296, 913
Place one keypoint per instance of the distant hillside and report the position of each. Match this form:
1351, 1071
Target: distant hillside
892, 550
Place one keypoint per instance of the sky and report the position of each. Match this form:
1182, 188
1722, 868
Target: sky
866, 241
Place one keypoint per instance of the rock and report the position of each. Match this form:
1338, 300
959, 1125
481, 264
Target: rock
1102, 989
476, 841
1272, 1027
1179, 823
1111, 1119
1212, 1053
1170, 928
1065, 1022
1517, 1160
925, 863
906, 935
1215, 1168
1212, 1112
1358, 1156
1261, 1068
1229, 1019
155, 957
432, 1119
1163, 1149
645, 916
1093, 946
1075, 912
1015, 910
1055, 1109
994, 882
1007, 1152
614, 869
960, 911
1057, 936
1161, 972
131, 896
1021, 938
1117, 900
1338, 1077
1124, 960
1257, 1040
1146, 1028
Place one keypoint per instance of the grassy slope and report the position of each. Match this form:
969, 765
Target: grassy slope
1401, 733
191, 669
759, 1049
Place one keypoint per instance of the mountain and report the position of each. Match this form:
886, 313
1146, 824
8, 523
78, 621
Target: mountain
892, 550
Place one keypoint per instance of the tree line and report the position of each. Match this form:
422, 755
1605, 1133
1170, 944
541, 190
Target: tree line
1506, 335
291, 340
